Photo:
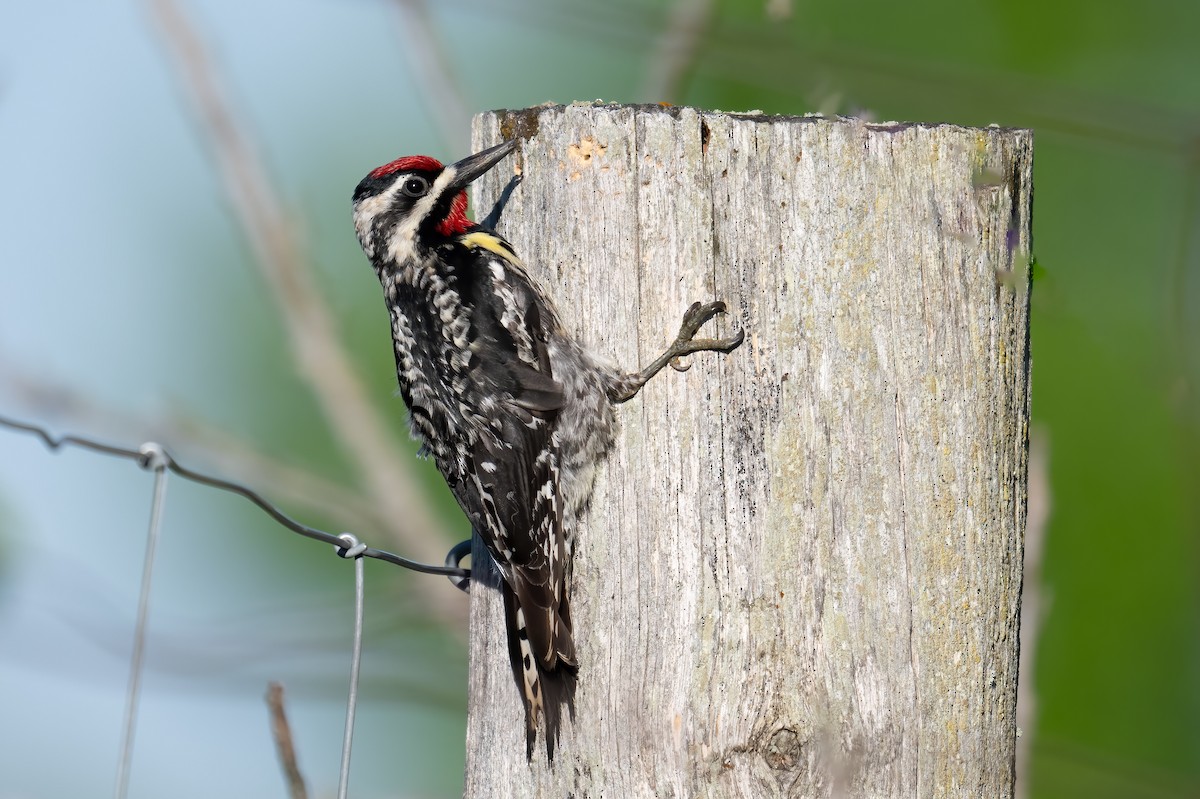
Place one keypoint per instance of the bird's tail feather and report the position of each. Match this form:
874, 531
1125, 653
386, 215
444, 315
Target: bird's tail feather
544, 691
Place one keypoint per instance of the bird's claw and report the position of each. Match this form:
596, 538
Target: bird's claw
627, 386
678, 365
693, 319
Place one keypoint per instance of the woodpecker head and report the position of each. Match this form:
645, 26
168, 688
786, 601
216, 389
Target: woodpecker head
414, 202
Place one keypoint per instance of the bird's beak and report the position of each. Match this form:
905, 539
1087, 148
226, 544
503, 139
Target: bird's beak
471, 167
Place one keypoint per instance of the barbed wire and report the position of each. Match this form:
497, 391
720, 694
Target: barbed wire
154, 457
145, 457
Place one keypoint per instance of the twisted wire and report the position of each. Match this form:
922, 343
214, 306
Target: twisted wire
144, 457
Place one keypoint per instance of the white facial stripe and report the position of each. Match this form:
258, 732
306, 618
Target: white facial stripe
368, 209
401, 244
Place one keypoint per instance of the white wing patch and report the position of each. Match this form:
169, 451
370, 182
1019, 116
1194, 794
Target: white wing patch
512, 315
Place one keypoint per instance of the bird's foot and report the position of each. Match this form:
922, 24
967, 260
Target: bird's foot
685, 344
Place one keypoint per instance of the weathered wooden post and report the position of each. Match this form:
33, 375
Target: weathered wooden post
801, 573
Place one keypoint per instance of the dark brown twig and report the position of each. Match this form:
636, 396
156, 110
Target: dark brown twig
281, 731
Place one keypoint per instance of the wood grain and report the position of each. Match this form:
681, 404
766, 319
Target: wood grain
801, 572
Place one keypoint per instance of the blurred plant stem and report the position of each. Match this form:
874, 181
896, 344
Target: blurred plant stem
434, 68
317, 351
676, 51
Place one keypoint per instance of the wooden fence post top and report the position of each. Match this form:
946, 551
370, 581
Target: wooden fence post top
800, 574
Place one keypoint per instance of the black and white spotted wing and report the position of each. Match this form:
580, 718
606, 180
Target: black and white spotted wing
511, 490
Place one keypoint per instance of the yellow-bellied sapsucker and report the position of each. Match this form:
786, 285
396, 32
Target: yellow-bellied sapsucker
515, 413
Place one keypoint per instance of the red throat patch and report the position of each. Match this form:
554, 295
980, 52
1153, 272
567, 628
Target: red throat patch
456, 221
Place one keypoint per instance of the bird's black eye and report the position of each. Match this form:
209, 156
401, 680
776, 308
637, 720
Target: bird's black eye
415, 186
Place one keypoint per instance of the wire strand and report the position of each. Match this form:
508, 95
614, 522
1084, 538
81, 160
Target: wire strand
56, 443
156, 459
351, 548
